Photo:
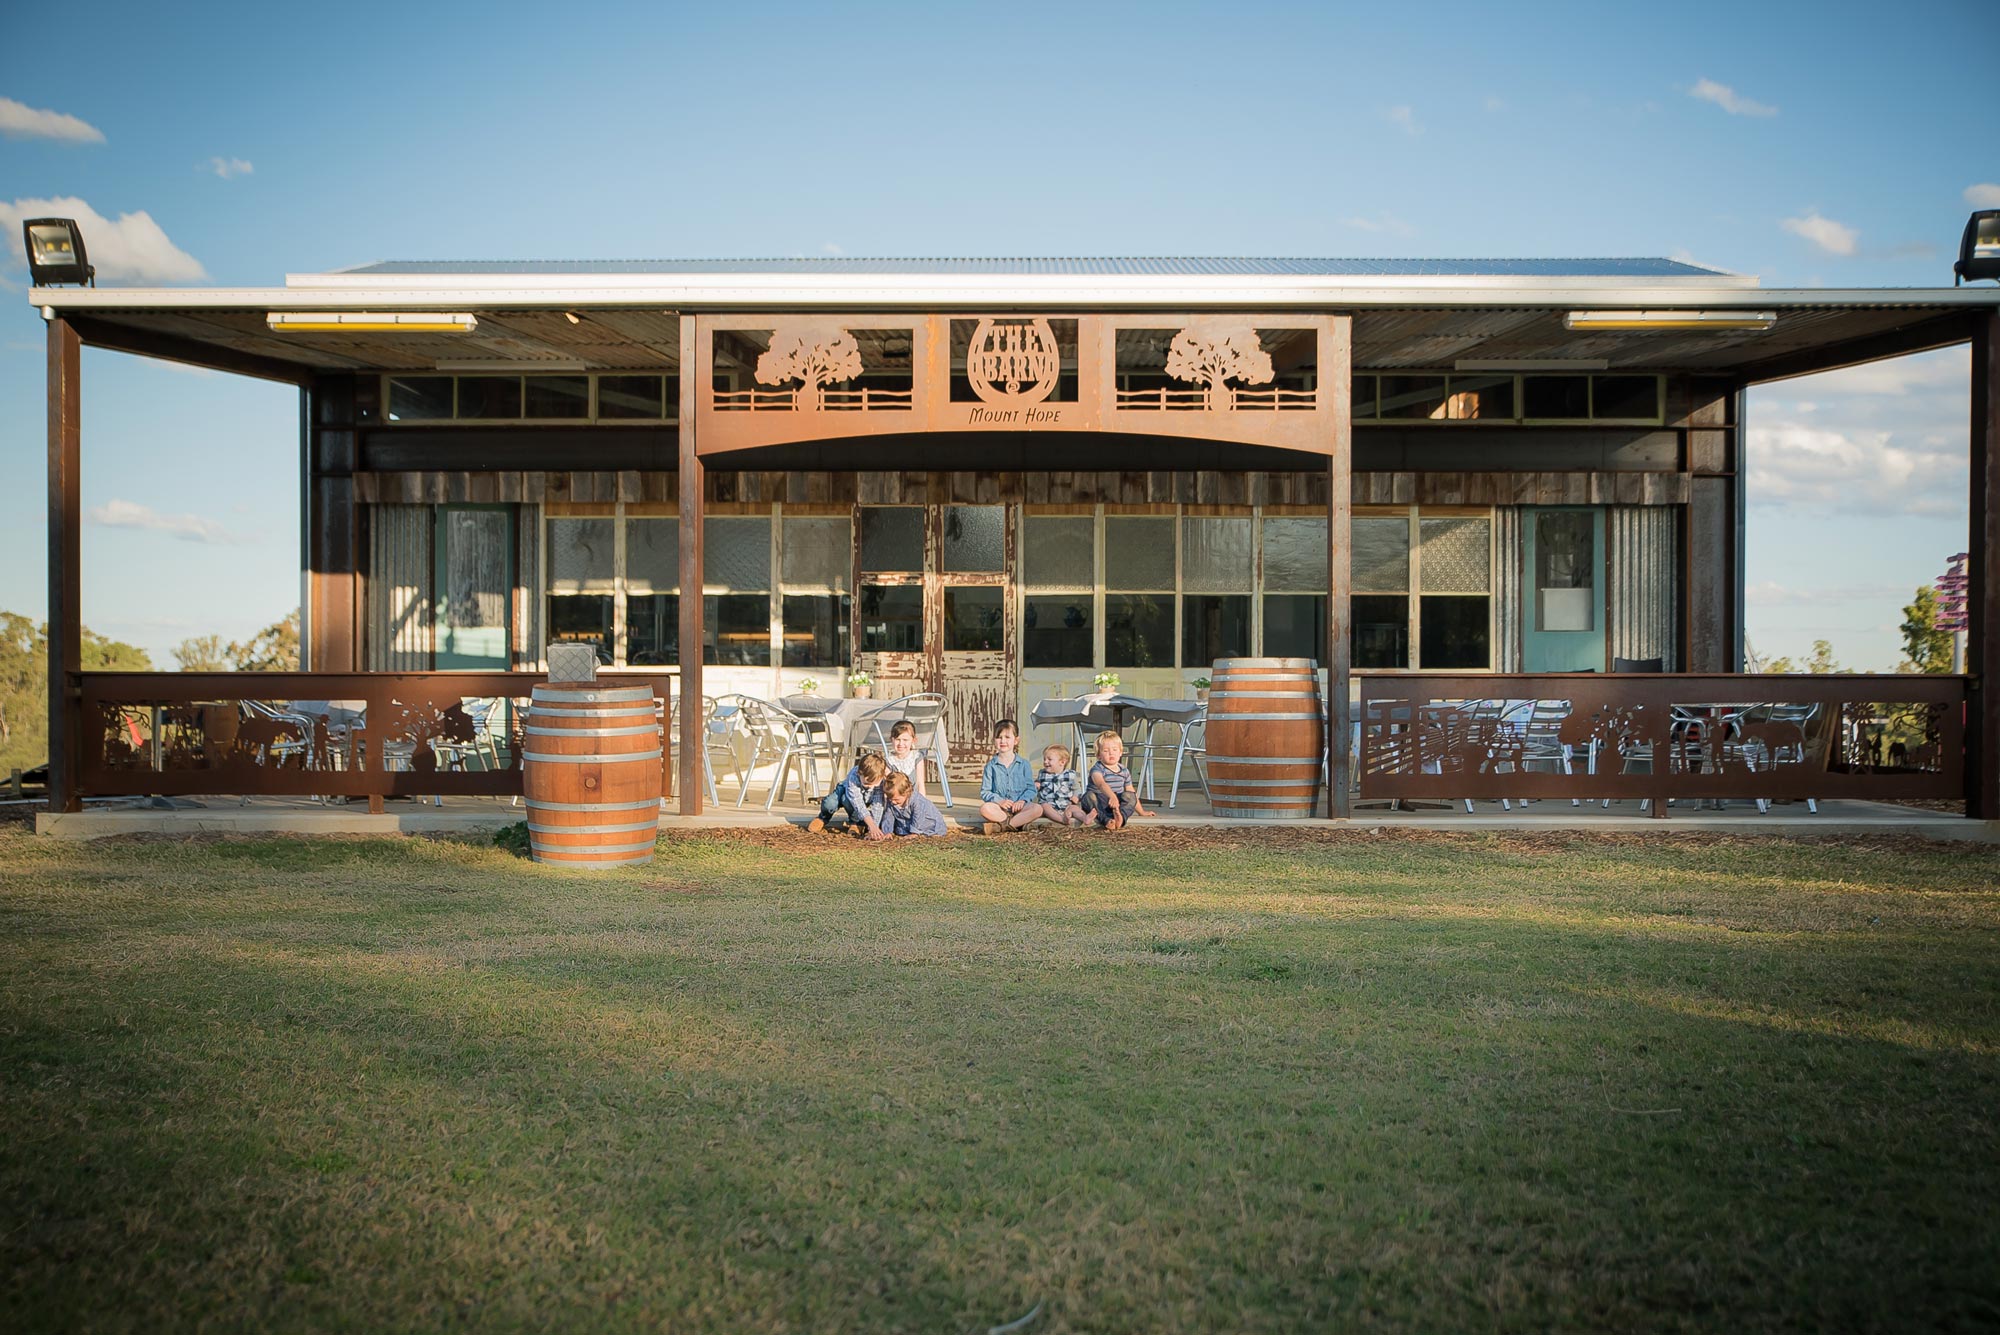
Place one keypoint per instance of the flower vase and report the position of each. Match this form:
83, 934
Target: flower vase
863, 692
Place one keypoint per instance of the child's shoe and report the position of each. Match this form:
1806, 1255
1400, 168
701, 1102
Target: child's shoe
815, 825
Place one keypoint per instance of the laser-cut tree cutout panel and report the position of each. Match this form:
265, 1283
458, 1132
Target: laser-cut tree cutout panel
815, 353
1213, 353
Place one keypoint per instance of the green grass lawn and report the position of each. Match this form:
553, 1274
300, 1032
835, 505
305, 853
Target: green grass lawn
1152, 1082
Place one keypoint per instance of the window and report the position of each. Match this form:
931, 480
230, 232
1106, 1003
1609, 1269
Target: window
1380, 562
1436, 397
652, 591
1139, 591
1215, 584
892, 538
972, 619
892, 618
634, 396
817, 556
1294, 588
736, 589
425, 398
534, 398
1455, 561
1058, 576
558, 396
582, 583
975, 538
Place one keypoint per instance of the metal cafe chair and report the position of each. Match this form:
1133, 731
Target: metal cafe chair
1185, 742
790, 740
923, 712
722, 723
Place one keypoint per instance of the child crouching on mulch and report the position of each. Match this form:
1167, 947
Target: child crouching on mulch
860, 796
910, 812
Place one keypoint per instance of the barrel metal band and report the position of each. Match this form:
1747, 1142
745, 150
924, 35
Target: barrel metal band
534, 806
1262, 760
653, 824
1221, 783
1215, 718
630, 846
642, 711
1251, 799
653, 728
610, 695
594, 759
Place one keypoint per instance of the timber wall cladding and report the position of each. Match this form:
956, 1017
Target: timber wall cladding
1047, 488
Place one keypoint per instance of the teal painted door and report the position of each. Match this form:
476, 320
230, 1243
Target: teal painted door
475, 586
1562, 614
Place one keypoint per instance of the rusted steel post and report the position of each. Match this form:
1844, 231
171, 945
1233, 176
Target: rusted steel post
690, 488
65, 569
1337, 378
1982, 593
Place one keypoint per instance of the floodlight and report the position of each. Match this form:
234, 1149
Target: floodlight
1978, 250
55, 252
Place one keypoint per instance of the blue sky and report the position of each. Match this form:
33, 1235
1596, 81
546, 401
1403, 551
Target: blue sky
1823, 144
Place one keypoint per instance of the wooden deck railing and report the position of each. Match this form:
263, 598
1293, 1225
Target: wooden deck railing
313, 734
1595, 736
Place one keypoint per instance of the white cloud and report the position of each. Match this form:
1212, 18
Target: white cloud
1796, 465
132, 249
115, 513
1708, 90
1493, 104
1832, 237
225, 167
20, 121
1985, 195
1404, 118
1381, 222
831, 249
1770, 593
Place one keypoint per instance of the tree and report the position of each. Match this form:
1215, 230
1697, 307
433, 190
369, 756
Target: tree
812, 352
1210, 354
272, 649
1822, 661
1925, 647
24, 684
201, 653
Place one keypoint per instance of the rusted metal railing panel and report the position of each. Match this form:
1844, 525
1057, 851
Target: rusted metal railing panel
1595, 736
366, 734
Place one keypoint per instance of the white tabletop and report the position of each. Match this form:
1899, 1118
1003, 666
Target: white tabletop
844, 716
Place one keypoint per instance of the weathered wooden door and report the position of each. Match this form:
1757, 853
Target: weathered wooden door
934, 611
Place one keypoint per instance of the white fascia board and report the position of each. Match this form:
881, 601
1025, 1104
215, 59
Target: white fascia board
1065, 292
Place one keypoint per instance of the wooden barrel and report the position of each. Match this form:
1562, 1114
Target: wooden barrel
590, 771
1266, 738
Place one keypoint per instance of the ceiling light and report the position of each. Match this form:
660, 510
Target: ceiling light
1978, 249
55, 252
571, 316
1530, 364
1722, 320
366, 322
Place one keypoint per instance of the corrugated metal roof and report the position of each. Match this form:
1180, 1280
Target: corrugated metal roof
1110, 266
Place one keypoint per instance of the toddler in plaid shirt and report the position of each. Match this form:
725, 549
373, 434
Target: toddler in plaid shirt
1057, 788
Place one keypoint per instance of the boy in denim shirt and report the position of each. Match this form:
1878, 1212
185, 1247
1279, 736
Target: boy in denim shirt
860, 796
910, 812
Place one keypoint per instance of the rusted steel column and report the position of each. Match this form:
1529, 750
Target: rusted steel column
1982, 594
690, 487
1338, 377
65, 569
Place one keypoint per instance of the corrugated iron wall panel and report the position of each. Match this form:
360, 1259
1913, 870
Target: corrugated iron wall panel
1507, 587
1642, 602
397, 588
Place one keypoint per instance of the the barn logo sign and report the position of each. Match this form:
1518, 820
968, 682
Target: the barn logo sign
1013, 363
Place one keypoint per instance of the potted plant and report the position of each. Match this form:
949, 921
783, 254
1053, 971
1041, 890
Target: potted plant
809, 686
1107, 684
860, 683
1201, 685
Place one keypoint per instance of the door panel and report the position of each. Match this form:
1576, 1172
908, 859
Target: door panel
1562, 607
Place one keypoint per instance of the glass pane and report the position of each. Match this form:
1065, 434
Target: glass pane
1420, 396
816, 630
972, 620
736, 556
489, 396
1555, 397
1215, 626
1055, 630
1139, 628
1625, 396
818, 555
653, 629
558, 396
580, 555
1294, 626
738, 628
420, 398
1138, 552
581, 619
892, 537
1381, 556
1364, 397
1455, 634
1057, 553
1215, 555
1481, 396
652, 556
1381, 632
1565, 570
1457, 555
478, 572
892, 618
1295, 555
975, 537
626, 396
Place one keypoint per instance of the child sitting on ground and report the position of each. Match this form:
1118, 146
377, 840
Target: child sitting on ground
860, 796
1007, 788
903, 757
910, 812
1112, 792
1058, 788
